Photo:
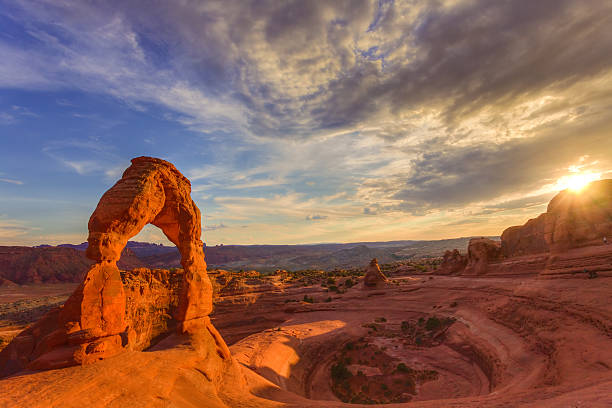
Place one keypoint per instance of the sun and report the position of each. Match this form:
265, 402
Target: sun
577, 182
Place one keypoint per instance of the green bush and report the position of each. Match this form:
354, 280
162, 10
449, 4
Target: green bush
433, 323
339, 372
403, 368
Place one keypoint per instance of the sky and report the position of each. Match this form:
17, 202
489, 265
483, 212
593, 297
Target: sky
304, 121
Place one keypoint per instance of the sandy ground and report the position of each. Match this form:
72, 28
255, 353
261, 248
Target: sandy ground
515, 342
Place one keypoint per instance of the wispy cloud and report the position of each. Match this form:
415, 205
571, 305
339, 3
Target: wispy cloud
11, 181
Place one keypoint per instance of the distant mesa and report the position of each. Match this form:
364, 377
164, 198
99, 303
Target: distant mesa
108, 313
374, 277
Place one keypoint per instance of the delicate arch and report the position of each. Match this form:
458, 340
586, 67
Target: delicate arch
92, 325
153, 191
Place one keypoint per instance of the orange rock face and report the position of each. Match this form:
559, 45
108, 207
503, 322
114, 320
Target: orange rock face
481, 251
374, 277
572, 220
94, 322
452, 263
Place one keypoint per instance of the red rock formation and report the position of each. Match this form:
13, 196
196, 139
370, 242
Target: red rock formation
373, 276
572, 220
5, 283
94, 322
481, 251
452, 263
51, 264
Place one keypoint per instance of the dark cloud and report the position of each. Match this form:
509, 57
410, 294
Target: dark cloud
316, 217
214, 227
299, 67
479, 54
447, 176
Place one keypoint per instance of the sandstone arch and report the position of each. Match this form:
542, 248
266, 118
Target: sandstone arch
153, 191
92, 323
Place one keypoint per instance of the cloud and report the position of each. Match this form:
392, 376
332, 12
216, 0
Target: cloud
13, 229
86, 156
214, 227
11, 181
316, 217
409, 108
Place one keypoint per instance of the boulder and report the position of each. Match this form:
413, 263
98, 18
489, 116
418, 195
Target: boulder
373, 276
453, 263
481, 252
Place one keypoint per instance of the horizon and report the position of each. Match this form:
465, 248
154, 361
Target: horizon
170, 244
308, 122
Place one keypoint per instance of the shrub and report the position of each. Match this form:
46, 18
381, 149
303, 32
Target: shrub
405, 325
433, 323
454, 304
339, 372
329, 299
308, 299
349, 283
403, 368
380, 320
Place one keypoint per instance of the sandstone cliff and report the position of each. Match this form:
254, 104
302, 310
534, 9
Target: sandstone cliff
572, 220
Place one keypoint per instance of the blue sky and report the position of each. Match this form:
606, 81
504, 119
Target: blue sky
302, 122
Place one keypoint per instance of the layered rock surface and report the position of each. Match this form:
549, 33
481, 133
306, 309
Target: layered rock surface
102, 318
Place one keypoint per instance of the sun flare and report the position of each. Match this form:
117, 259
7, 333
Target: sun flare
577, 182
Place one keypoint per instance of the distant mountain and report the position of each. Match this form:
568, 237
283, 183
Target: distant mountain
48, 264
36, 265
140, 249
67, 262
322, 256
